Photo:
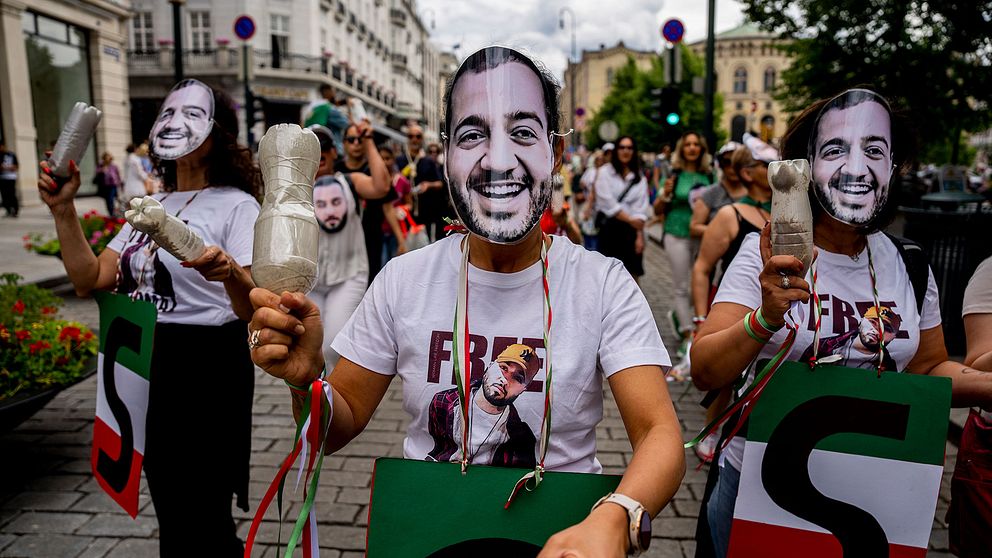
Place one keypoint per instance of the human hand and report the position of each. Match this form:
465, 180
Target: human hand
401, 248
214, 264
54, 196
602, 534
290, 335
636, 223
364, 129
669, 189
779, 272
639, 244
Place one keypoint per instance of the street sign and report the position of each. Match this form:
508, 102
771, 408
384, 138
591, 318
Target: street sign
609, 131
580, 111
672, 30
244, 27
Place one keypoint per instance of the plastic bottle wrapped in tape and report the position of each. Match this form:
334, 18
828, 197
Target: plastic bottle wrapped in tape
286, 232
74, 139
792, 217
148, 216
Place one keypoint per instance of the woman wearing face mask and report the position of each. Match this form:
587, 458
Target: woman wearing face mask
855, 144
691, 169
501, 118
622, 206
210, 182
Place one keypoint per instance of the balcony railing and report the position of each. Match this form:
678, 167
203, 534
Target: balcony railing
223, 60
398, 17
289, 61
399, 62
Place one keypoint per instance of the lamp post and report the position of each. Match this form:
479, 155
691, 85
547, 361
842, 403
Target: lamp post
708, 126
571, 71
177, 38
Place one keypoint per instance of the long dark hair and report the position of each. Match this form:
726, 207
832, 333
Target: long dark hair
798, 138
228, 162
635, 161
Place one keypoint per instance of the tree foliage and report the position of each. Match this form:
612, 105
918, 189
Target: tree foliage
629, 104
932, 58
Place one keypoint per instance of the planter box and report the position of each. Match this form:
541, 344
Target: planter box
19, 408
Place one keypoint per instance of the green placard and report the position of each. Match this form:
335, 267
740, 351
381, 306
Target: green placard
422, 508
138, 312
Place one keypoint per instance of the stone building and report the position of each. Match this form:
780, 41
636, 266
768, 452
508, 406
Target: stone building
748, 67
54, 53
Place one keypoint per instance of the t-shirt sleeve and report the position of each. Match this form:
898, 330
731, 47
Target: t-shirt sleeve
368, 338
978, 294
117, 243
630, 335
930, 315
740, 283
240, 237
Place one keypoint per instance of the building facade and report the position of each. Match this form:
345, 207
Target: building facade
591, 79
54, 53
375, 50
748, 66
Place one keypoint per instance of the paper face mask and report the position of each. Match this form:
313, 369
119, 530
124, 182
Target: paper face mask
851, 156
185, 121
499, 120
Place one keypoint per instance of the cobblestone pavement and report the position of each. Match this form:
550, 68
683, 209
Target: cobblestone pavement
50, 506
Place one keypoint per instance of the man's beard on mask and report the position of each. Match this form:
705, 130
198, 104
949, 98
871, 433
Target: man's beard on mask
843, 184
500, 226
336, 228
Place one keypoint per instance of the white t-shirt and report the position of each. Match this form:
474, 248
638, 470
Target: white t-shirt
342, 253
222, 216
610, 186
844, 286
134, 177
978, 294
601, 324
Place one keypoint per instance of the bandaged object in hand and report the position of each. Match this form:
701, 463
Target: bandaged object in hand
75, 137
792, 218
286, 232
168, 231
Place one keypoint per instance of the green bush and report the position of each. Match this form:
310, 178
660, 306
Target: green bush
37, 350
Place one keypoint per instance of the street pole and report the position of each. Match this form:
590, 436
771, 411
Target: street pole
572, 61
177, 38
249, 98
708, 92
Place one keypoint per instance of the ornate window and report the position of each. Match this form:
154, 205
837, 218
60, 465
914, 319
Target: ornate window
769, 79
740, 80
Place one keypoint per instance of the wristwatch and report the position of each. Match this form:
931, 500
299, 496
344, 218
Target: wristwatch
639, 530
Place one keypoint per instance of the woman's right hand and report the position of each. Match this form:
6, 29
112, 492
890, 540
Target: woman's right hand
776, 300
49, 191
669, 189
290, 335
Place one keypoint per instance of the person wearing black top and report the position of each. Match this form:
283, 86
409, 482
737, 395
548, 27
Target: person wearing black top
431, 205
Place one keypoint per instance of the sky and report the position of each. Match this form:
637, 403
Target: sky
533, 24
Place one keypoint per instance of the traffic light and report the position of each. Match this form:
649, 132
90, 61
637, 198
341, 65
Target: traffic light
254, 112
670, 97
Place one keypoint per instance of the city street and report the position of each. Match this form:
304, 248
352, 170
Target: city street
50, 506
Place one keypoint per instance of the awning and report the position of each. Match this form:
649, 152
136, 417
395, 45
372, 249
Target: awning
389, 133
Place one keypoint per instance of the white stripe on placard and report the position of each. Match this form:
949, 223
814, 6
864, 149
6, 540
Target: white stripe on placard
901, 495
133, 390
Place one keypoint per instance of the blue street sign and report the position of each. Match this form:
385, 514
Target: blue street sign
244, 27
672, 30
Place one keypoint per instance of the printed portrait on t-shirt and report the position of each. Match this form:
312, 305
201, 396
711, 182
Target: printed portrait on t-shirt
497, 436
143, 275
499, 157
859, 347
185, 120
330, 203
851, 156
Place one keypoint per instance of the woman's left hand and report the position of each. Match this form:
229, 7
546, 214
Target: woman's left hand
214, 264
639, 243
602, 534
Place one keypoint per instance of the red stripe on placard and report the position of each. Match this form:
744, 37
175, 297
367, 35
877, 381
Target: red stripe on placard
105, 439
749, 539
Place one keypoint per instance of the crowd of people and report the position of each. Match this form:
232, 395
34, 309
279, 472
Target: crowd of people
516, 226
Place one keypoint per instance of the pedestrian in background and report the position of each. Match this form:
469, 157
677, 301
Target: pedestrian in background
726, 191
622, 207
691, 169
393, 237
326, 112
428, 186
135, 176
8, 181
108, 180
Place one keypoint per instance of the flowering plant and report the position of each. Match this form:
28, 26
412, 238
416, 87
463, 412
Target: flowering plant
37, 350
98, 230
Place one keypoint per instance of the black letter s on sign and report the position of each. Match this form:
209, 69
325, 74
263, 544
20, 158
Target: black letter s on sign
120, 334
785, 472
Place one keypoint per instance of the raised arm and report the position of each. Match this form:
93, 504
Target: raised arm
375, 185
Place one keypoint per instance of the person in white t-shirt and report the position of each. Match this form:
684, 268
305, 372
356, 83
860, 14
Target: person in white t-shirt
212, 184
502, 149
854, 144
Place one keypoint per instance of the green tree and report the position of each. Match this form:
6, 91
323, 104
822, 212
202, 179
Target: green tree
932, 58
629, 104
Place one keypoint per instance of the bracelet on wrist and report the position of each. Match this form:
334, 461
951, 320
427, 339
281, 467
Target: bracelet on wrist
698, 319
755, 329
304, 390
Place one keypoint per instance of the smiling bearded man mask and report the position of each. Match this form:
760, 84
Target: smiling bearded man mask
501, 112
850, 154
185, 120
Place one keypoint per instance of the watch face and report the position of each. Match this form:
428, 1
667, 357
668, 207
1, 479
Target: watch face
644, 533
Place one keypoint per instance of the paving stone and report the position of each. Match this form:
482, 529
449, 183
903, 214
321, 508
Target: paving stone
48, 544
130, 548
674, 527
46, 522
117, 525
42, 501
661, 548
6, 540
99, 547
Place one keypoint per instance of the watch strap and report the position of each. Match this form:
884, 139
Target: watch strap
634, 512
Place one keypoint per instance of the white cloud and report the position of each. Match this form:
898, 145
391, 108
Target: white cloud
533, 24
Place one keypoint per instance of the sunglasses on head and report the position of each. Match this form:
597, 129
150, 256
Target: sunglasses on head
353, 139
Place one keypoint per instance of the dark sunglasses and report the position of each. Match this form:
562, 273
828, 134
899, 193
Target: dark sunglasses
625, 148
433, 152
414, 136
353, 139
